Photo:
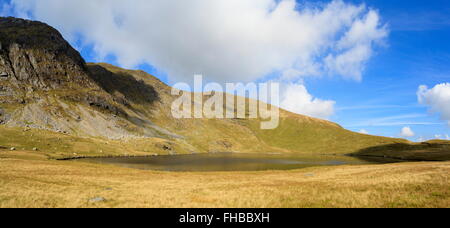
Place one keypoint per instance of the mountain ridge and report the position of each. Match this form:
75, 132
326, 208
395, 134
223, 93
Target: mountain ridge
51, 87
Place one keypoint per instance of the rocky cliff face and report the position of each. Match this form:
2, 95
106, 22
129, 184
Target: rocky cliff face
35, 56
46, 84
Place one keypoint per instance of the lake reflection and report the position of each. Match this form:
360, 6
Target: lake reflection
228, 162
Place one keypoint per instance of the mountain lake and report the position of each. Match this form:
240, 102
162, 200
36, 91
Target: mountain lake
212, 162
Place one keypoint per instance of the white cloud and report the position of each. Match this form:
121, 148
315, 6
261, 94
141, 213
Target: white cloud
407, 132
363, 131
358, 44
437, 98
296, 98
444, 137
397, 120
225, 40
421, 139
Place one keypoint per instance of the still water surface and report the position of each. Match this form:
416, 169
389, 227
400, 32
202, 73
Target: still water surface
230, 162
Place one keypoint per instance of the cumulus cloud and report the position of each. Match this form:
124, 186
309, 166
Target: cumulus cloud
225, 40
296, 98
445, 137
363, 131
437, 98
356, 47
407, 132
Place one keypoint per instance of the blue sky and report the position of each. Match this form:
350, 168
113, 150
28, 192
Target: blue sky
415, 52
418, 53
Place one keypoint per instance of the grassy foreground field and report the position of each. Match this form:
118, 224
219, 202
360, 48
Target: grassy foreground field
28, 179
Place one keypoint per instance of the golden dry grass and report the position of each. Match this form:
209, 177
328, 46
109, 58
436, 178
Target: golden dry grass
29, 180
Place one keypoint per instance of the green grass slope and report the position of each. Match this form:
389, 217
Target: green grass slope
296, 133
145, 103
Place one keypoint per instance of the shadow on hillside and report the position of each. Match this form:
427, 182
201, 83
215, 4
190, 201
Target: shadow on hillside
124, 87
427, 151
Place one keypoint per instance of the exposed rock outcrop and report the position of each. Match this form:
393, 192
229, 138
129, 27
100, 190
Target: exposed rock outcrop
46, 84
4, 117
34, 55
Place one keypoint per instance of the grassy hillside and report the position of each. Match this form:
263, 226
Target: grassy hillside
53, 145
49, 88
137, 113
296, 133
435, 150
